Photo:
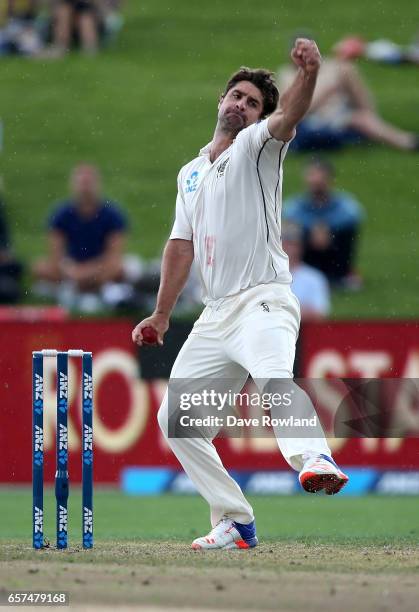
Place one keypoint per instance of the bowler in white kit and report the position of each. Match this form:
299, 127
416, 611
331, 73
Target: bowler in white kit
228, 218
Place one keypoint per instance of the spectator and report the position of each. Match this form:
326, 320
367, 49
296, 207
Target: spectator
18, 30
86, 243
309, 285
343, 112
112, 19
10, 269
75, 19
330, 221
381, 50
85, 23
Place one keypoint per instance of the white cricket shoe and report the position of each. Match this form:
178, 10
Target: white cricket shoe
321, 473
226, 536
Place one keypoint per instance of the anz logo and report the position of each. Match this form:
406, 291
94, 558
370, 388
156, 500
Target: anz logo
192, 182
39, 439
88, 386
62, 518
88, 438
63, 437
87, 520
63, 389
39, 520
39, 387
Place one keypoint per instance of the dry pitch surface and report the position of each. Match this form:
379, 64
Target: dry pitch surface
280, 576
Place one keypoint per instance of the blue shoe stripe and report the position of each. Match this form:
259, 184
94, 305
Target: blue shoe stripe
247, 532
330, 460
252, 542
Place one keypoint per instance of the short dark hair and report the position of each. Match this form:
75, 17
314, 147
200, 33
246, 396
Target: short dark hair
263, 80
322, 163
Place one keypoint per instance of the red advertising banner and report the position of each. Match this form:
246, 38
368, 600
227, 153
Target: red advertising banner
125, 426
367, 349
125, 406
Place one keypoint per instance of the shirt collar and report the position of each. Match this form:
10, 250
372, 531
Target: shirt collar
206, 150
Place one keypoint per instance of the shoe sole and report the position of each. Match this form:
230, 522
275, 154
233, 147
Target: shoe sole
330, 483
238, 545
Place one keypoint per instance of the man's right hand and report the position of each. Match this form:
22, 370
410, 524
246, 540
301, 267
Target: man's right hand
306, 55
159, 322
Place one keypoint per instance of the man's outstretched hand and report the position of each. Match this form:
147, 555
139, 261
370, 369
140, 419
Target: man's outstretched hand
306, 55
157, 322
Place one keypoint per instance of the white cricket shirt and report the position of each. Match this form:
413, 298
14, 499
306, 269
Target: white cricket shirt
231, 209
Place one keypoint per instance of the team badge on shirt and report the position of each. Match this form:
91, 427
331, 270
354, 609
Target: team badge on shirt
222, 167
192, 182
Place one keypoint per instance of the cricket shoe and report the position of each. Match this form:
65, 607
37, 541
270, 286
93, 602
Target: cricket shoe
321, 473
228, 535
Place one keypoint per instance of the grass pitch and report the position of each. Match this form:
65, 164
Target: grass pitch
316, 553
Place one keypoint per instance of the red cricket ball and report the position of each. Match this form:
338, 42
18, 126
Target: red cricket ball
149, 335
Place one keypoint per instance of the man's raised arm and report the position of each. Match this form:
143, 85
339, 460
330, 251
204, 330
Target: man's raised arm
296, 100
176, 263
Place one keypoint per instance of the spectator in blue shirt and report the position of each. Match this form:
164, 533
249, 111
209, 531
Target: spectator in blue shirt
86, 237
330, 221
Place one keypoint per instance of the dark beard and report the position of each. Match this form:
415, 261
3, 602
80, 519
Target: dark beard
231, 124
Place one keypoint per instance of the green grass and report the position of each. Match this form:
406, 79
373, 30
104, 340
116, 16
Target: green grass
348, 553
301, 518
144, 107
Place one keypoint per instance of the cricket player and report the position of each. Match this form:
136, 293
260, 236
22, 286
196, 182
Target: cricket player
228, 219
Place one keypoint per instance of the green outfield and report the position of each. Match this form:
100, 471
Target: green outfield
315, 553
145, 106
304, 518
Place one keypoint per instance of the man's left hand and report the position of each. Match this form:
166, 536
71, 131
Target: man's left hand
306, 55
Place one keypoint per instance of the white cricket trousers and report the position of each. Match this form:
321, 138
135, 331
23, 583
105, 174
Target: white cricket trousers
251, 333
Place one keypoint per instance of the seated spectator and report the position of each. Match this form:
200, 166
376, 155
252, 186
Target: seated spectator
112, 19
343, 112
309, 285
86, 244
75, 19
381, 50
330, 221
18, 31
10, 269
83, 23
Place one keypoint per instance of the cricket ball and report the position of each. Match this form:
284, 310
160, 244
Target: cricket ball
149, 335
